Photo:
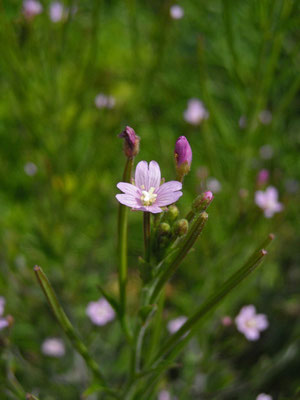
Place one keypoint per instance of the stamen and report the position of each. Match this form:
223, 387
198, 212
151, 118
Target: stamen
148, 198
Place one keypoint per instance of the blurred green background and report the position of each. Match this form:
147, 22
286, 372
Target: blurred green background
60, 160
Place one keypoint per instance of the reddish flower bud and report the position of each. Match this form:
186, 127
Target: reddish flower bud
202, 201
131, 143
183, 157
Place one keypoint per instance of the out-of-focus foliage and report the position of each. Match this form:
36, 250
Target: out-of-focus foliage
239, 58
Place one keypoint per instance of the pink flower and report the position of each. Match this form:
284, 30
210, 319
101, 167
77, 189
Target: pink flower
164, 395
53, 347
31, 8
103, 101
100, 312
265, 117
250, 323
3, 321
263, 177
268, 201
146, 194
176, 12
263, 396
175, 324
2, 305
195, 112
226, 320
57, 11
213, 185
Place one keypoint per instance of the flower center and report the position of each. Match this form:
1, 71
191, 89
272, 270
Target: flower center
251, 323
148, 198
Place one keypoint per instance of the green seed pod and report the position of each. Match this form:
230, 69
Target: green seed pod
164, 228
180, 227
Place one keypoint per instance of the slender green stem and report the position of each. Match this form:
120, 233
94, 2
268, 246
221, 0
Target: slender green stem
179, 255
212, 301
66, 325
147, 235
174, 345
122, 245
157, 326
31, 397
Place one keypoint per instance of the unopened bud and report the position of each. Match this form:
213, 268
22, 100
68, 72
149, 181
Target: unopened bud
131, 143
180, 227
172, 212
164, 228
183, 157
202, 201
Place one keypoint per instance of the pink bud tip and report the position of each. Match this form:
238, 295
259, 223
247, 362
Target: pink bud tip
208, 196
263, 252
183, 152
132, 142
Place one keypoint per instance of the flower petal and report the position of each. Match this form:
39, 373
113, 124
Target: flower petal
128, 188
252, 334
261, 322
260, 198
142, 175
154, 175
272, 193
128, 200
167, 198
170, 186
154, 209
168, 193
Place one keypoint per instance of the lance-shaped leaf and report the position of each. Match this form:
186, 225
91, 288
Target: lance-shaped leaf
189, 328
66, 324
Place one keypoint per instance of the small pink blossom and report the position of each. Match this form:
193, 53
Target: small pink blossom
3, 321
2, 305
195, 112
213, 185
57, 12
104, 101
226, 320
176, 12
147, 194
268, 201
251, 324
263, 396
100, 312
243, 122
265, 117
53, 347
263, 177
164, 395
31, 8
175, 324
30, 169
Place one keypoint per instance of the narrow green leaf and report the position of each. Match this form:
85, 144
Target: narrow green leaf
177, 257
113, 302
66, 324
190, 325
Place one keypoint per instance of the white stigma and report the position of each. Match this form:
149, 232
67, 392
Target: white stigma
148, 198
